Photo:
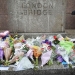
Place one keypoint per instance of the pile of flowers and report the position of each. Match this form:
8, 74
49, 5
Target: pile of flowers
24, 53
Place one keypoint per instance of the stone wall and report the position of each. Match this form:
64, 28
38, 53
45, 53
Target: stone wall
70, 19
19, 16
3, 15
33, 16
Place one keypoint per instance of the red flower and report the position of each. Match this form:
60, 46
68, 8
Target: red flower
55, 37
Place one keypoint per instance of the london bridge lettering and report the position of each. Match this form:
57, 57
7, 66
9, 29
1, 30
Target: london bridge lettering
38, 8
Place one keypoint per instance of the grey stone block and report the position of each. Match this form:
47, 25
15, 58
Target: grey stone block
31, 16
40, 72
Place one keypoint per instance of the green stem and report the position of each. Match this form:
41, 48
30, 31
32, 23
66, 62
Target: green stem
70, 66
50, 62
36, 61
36, 64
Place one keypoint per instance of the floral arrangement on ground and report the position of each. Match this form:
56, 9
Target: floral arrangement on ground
43, 51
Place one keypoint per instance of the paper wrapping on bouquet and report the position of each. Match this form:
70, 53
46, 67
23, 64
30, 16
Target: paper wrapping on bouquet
60, 37
3, 34
67, 45
25, 48
1, 53
7, 53
63, 53
17, 47
51, 38
45, 57
24, 64
29, 41
72, 55
3, 44
30, 54
22, 39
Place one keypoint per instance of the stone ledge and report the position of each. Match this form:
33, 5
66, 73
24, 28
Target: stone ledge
70, 31
40, 72
36, 34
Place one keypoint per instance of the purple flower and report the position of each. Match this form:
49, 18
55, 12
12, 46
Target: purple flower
59, 58
47, 42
